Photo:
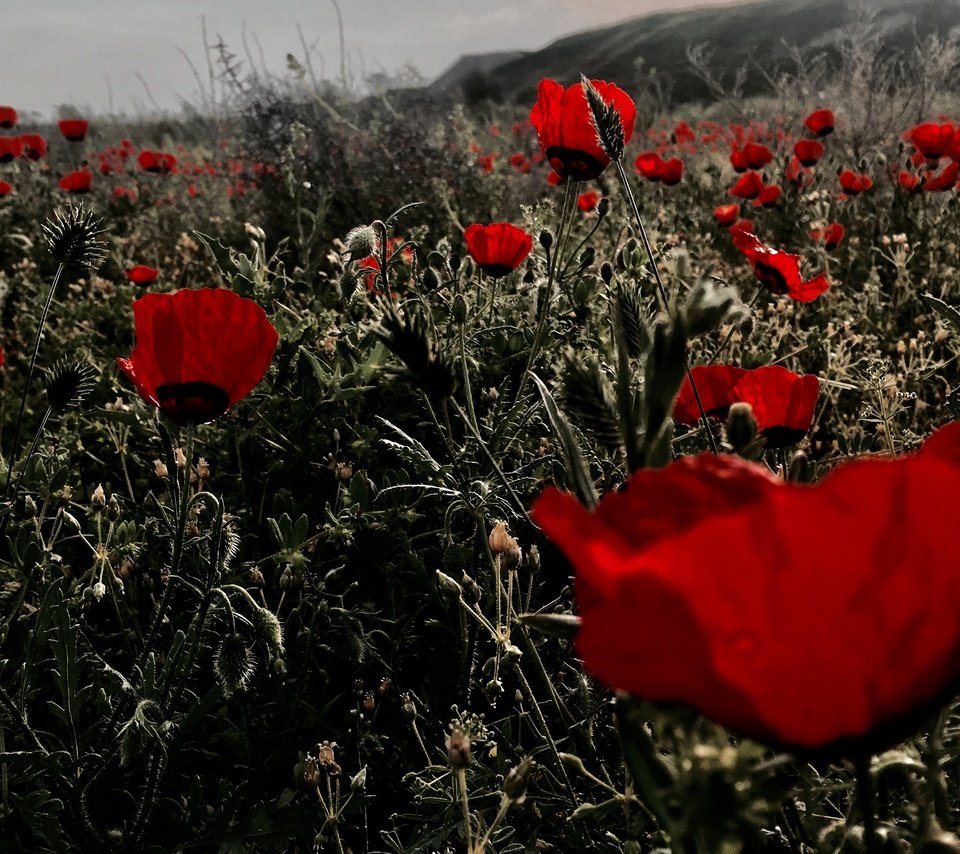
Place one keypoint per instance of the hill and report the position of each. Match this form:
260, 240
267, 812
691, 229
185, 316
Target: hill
762, 38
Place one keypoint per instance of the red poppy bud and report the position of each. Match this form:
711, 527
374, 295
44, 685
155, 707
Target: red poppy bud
8, 118
142, 274
726, 214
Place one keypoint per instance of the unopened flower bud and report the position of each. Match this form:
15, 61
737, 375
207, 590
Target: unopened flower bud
603, 207
160, 468
458, 309
449, 586
800, 470
203, 469
471, 590
311, 773
454, 263
180, 458
429, 281
98, 500
361, 242
99, 590
533, 558
29, 507
501, 543
113, 509
606, 272
546, 239
741, 426
458, 748
515, 783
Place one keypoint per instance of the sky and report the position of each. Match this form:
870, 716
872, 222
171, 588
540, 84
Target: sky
134, 56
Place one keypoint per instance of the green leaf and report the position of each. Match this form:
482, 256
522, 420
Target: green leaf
947, 312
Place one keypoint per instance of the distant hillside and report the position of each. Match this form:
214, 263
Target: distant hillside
759, 34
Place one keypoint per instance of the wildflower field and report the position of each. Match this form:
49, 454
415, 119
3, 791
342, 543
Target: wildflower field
570, 475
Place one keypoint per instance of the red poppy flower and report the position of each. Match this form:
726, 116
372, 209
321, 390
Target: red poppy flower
830, 236
157, 161
77, 182
671, 172
8, 118
820, 122
33, 145
808, 151
141, 274
930, 139
854, 184
714, 385
11, 147
198, 352
726, 214
486, 162
564, 124
521, 162
124, 194
756, 155
498, 248
779, 271
826, 617
783, 402
768, 196
748, 186
944, 181
648, 164
6, 188
588, 201
797, 174
738, 159
554, 180
908, 180
74, 130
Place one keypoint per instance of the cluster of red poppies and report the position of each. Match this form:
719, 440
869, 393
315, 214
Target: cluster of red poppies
694, 585
115, 160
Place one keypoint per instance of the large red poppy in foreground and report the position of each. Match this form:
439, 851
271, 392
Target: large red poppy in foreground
498, 248
565, 127
809, 616
198, 352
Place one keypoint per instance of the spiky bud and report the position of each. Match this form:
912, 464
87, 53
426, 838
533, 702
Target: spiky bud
234, 664
360, 242
68, 383
606, 120
269, 630
73, 236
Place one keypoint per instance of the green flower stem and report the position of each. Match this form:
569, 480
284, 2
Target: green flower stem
628, 190
865, 798
183, 493
29, 379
